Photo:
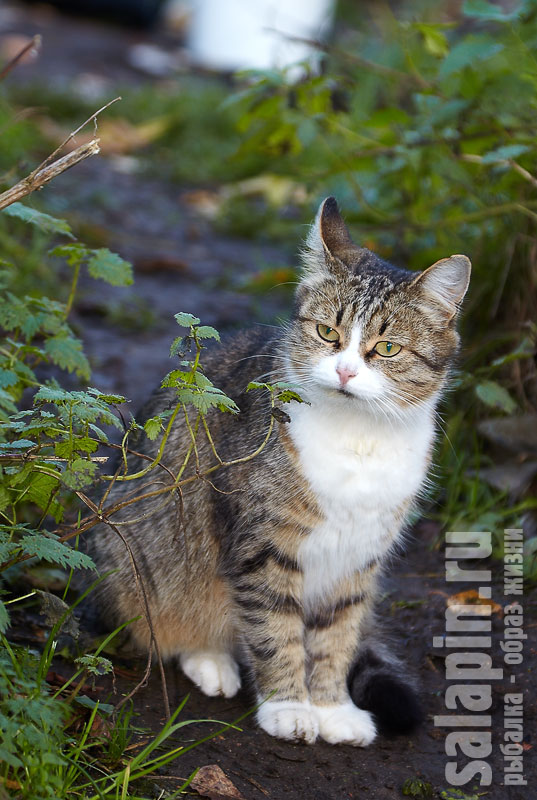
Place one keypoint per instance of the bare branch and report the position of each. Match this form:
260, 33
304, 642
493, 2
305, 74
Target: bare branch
41, 176
34, 44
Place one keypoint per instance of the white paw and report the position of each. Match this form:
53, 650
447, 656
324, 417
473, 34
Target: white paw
345, 724
214, 673
288, 720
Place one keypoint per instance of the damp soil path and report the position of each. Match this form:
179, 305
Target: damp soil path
181, 264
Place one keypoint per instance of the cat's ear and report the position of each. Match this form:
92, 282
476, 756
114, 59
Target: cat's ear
329, 241
445, 284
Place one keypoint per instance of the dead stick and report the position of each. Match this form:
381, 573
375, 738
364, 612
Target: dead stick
35, 45
40, 177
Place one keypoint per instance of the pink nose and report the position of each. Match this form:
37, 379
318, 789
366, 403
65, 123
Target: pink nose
345, 374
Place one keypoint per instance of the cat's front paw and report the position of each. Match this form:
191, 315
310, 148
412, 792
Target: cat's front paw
288, 720
345, 724
214, 673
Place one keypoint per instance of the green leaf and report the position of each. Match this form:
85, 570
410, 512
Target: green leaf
110, 267
488, 11
505, 153
50, 549
256, 385
87, 702
8, 378
174, 378
44, 222
66, 352
207, 332
186, 320
10, 758
79, 473
40, 492
51, 394
74, 254
287, 395
97, 665
434, 39
4, 624
81, 444
467, 52
177, 347
152, 427
112, 399
495, 396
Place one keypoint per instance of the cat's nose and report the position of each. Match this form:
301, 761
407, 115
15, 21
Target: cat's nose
345, 374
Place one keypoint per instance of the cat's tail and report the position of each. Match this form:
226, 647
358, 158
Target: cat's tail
380, 683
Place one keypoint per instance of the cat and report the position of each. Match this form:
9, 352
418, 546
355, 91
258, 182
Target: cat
275, 562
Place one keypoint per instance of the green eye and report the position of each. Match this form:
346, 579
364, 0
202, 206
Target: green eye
387, 349
327, 333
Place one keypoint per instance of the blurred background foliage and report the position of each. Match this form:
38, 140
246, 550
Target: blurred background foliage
423, 124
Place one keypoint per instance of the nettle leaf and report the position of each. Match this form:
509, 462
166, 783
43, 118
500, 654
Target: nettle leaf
227, 404
174, 379
256, 385
495, 396
179, 346
74, 254
40, 492
81, 444
79, 473
152, 427
202, 380
5, 498
44, 222
6, 402
97, 665
110, 267
207, 332
288, 395
186, 320
51, 394
19, 444
8, 378
49, 549
112, 399
66, 351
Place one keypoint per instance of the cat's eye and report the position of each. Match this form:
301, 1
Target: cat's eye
387, 349
327, 333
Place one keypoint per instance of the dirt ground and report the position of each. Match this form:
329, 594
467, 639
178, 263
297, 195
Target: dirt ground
180, 264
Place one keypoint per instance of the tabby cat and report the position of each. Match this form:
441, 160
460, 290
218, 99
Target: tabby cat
275, 562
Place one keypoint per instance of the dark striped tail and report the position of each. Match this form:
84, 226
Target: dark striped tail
377, 684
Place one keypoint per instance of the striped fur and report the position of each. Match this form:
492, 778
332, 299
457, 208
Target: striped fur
275, 563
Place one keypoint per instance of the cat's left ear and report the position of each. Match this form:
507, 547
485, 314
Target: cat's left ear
445, 284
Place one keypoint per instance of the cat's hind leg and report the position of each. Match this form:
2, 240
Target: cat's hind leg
214, 672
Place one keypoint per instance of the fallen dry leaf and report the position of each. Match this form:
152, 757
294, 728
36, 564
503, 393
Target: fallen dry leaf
471, 598
211, 782
116, 136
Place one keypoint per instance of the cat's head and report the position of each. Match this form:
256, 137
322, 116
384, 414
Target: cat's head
369, 331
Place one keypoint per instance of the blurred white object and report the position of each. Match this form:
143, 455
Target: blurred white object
256, 34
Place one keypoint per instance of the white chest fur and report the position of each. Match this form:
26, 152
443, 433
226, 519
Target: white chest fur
362, 470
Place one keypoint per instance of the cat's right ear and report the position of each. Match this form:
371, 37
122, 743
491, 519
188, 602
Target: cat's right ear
329, 244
